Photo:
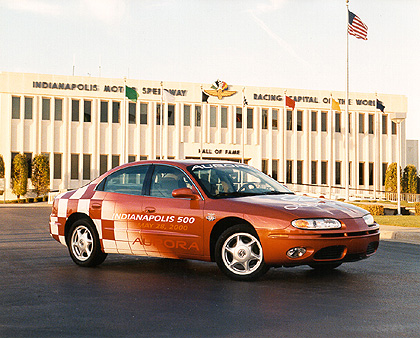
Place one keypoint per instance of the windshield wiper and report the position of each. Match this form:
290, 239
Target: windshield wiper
236, 194
275, 192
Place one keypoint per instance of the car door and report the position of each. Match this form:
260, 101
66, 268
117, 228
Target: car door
122, 208
172, 227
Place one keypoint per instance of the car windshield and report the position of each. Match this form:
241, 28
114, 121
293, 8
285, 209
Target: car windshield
227, 180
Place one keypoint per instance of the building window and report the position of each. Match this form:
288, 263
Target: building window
75, 110
384, 125
371, 123
143, 113
361, 173
115, 112
349, 173
74, 166
28, 108
337, 173
371, 173
289, 120
338, 122
314, 166
299, 172
223, 117
289, 171
349, 126
86, 166
274, 118
238, 118
57, 166
104, 111
29, 161
324, 121
384, 169
46, 108
264, 118
132, 112
264, 166
299, 122
394, 128
314, 115
274, 169
103, 164
250, 118
158, 113
58, 109
361, 123
131, 158
115, 161
171, 114
324, 172
87, 111
15, 107
197, 116
187, 115
213, 116
143, 158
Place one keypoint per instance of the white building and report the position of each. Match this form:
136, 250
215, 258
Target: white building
413, 153
86, 126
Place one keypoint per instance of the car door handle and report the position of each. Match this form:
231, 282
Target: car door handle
96, 206
149, 210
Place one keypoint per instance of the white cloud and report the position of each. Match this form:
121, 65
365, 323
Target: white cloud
270, 5
33, 6
108, 11
286, 46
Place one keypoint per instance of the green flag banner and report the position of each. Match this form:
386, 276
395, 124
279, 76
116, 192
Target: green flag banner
131, 94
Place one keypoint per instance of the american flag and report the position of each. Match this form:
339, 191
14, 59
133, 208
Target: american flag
356, 27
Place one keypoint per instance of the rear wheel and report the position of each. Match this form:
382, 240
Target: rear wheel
84, 245
239, 254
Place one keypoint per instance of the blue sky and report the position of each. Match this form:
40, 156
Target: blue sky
277, 43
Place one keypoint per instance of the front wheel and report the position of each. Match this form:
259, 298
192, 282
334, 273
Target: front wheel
239, 254
84, 245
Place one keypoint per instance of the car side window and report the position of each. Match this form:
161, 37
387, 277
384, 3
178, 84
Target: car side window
166, 179
128, 181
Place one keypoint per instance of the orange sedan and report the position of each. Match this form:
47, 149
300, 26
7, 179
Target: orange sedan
219, 211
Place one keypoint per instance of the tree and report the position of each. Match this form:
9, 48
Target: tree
391, 178
409, 179
41, 174
20, 175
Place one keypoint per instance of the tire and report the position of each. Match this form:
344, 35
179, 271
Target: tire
84, 245
324, 266
239, 254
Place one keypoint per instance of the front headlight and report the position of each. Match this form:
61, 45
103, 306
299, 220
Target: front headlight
369, 220
316, 224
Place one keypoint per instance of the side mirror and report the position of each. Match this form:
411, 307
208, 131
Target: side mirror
185, 193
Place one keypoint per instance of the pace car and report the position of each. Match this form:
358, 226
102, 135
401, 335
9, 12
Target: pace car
221, 211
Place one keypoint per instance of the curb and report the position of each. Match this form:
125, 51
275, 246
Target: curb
400, 234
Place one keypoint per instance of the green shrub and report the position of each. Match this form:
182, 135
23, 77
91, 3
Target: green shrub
409, 179
391, 178
1, 167
374, 209
417, 208
20, 175
41, 174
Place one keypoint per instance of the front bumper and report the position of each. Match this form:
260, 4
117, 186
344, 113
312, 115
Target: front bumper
320, 247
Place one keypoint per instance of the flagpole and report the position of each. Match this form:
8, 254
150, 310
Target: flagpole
346, 129
124, 123
284, 139
201, 125
243, 125
161, 122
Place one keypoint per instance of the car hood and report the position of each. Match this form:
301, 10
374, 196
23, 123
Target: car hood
304, 206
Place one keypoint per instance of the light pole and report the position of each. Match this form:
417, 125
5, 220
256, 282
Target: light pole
398, 118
